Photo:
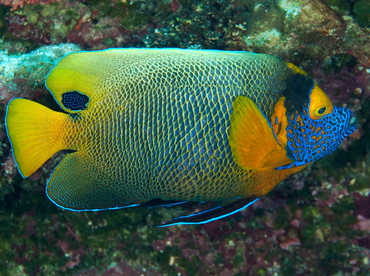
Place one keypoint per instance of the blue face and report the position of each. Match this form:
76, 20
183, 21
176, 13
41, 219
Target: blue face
311, 139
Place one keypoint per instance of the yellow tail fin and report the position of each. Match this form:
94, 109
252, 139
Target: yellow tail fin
35, 132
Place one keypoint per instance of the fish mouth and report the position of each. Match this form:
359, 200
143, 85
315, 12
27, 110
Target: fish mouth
351, 126
352, 122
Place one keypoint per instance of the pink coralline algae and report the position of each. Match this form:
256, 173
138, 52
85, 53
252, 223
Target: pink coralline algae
9, 167
342, 85
45, 24
19, 26
86, 34
363, 224
74, 22
15, 4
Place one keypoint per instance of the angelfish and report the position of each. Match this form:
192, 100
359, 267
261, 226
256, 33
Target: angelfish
172, 124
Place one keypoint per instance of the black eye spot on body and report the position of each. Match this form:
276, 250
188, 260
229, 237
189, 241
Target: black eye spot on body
75, 101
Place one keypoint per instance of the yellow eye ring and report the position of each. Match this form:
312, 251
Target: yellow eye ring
319, 109
320, 104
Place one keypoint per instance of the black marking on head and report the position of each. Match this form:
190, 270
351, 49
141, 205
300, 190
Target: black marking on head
297, 92
75, 101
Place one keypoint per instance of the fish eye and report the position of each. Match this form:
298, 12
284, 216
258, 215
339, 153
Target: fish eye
321, 110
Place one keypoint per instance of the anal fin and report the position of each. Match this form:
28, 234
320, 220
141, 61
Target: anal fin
213, 213
79, 184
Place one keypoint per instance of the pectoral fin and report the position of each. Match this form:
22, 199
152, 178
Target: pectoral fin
252, 139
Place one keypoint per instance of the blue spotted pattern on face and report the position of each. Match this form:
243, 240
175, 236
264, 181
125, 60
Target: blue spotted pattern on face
310, 140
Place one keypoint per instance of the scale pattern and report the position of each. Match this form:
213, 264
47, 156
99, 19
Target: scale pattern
161, 129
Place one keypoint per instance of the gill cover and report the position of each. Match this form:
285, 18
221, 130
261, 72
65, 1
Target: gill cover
317, 130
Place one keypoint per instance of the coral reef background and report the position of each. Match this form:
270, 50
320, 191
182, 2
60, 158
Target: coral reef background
316, 223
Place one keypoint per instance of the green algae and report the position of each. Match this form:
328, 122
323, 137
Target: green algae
133, 17
361, 10
342, 5
361, 183
340, 208
261, 272
191, 265
253, 223
281, 221
238, 259
286, 268
40, 228
219, 259
50, 23
201, 24
2, 21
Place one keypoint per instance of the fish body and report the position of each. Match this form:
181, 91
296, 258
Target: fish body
171, 124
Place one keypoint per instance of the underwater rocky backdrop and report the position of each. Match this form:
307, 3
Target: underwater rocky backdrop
316, 223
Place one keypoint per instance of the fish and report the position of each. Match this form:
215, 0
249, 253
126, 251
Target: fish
176, 125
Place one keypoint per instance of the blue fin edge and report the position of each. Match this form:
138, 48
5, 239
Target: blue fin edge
7, 134
166, 204
212, 214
